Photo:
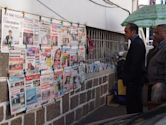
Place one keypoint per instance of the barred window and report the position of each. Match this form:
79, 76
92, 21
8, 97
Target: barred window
107, 44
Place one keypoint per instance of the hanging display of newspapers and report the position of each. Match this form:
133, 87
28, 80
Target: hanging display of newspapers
11, 34
46, 58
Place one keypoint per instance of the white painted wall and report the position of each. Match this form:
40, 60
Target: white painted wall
81, 11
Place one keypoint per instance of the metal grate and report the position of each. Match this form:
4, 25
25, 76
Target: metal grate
107, 44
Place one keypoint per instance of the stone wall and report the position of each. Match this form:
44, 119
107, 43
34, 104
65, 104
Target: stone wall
64, 111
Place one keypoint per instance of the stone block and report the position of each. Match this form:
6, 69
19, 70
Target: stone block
93, 93
69, 118
102, 100
8, 113
102, 90
82, 87
4, 123
17, 121
91, 106
78, 113
65, 103
100, 80
85, 109
1, 114
53, 110
89, 84
82, 97
74, 102
59, 121
4, 91
111, 80
95, 82
29, 119
40, 117
105, 88
4, 59
97, 97
104, 79
89, 95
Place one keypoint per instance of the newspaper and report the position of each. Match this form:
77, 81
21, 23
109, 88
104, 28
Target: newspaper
17, 94
11, 35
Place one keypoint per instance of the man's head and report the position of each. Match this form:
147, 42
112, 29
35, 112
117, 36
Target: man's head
10, 33
159, 33
130, 30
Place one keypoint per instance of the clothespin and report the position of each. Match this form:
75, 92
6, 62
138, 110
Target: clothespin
78, 24
40, 46
40, 18
51, 20
71, 23
23, 14
61, 22
5, 10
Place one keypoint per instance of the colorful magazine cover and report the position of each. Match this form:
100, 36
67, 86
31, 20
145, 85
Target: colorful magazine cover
57, 53
33, 98
17, 94
67, 80
45, 27
16, 62
74, 56
46, 86
46, 59
58, 83
54, 35
65, 58
11, 33
76, 80
82, 36
31, 30
64, 36
32, 62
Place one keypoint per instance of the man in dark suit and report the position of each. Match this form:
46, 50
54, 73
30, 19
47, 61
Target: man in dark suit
134, 70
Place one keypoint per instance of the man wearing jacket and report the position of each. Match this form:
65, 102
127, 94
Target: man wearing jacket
134, 70
157, 66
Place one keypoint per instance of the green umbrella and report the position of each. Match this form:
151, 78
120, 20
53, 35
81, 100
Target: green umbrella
148, 16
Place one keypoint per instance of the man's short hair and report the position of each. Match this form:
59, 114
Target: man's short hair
133, 27
162, 27
10, 31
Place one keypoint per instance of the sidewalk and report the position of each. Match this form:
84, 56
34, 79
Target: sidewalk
104, 112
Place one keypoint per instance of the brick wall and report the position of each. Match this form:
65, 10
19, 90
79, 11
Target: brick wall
64, 111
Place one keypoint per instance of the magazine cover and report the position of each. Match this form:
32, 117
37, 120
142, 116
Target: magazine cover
32, 85
65, 58
46, 59
16, 62
67, 80
81, 54
32, 60
31, 30
76, 80
17, 94
11, 35
82, 72
46, 86
58, 83
54, 35
45, 27
74, 35
82, 35
74, 56
64, 36
57, 53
